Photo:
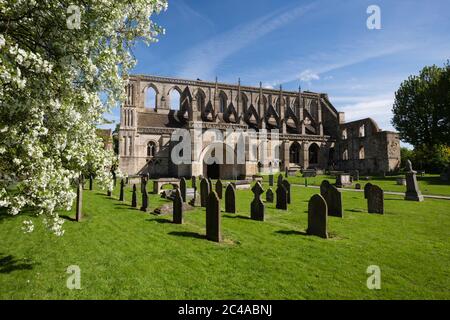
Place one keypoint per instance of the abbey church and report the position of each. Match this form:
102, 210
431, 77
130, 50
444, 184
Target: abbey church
312, 133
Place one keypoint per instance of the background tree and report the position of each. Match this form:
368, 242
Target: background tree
54, 64
422, 108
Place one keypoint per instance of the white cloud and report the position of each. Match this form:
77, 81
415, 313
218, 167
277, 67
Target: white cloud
308, 76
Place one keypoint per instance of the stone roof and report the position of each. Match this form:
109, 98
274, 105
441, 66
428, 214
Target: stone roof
158, 120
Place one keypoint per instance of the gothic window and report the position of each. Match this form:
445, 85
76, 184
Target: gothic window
344, 134
150, 96
175, 100
345, 154
361, 153
314, 154
294, 153
362, 131
151, 149
222, 102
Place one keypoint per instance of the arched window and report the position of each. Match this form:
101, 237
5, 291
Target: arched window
345, 154
151, 149
200, 100
222, 102
361, 153
150, 98
294, 153
314, 154
175, 100
362, 131
244, 102
344, 134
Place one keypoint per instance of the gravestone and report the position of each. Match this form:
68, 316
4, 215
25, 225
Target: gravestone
333, 198
194, 182
271, 180
230, 199
401, 181
286, 172
91, 182
134, 197
280, 179
204, 192
358, 186
210, 185
213, 227
375, 200
269, 195
177, 207
324, 186
109, 192
281, 197
257, 206
122, 190
367, 189
343, 180
287, 185
412, 187
183, 189
143, 184
195, 201
355, 175
114, 178
317, 216
144, 206
79, 214
219, 188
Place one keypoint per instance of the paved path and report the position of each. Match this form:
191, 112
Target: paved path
386, 192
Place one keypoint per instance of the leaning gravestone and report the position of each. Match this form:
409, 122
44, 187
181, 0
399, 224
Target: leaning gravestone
375, 200
287, 185
317, 216
281, 197
333, 197
269, 195
230, 199
271, 180
412, 187
257, 206
213, 228
134, 197
219, 188
144, 206
122, 190
280, 179
367, 189
204, 192
177, 207
183, 189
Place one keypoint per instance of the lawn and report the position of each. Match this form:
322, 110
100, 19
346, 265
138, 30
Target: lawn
126, 254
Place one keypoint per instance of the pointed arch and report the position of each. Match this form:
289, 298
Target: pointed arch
313, 151
175, 94
294, 152
151, 94
223, 101
251, 117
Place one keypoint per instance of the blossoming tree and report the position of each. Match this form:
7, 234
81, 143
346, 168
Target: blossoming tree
63, 64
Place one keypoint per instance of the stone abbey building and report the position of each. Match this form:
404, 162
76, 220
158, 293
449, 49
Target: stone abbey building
313, 134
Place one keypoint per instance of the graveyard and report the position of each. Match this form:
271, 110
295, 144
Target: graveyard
259, 252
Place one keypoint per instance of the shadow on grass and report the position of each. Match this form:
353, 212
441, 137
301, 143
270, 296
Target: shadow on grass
162, 221
9, 264
291, 232
68, 218
187, 234
231, 216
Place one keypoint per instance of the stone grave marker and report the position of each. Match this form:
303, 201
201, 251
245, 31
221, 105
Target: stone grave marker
287, 185
230, 199
183, 189
177, 207
281, 197
375, 200
134, 197
122, 190
257, 206
317, 216
367, 189
213, 225
412, 187
204, 192
269, 195
219, 188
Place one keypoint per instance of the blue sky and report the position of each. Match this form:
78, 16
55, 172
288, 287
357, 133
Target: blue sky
322, 45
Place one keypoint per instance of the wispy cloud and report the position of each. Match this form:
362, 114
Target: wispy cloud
206, 57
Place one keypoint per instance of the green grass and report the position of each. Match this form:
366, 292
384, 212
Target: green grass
428, 184
126, 254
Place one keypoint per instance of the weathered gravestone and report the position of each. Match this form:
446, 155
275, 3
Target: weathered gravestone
183, 189
375, 200
91, 182
412, 187
280, 179
271, 180
144, 206
230, 199
333, 198
367, 189
281, 197
257, 206
177, 207
134, 197
122, 190
343, 179
317, 216
358, 186
219, 188
269, 195
79, 214
213, 227
204, 192
287, 185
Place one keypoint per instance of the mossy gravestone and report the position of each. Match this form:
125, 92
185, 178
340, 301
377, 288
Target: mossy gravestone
122, 190
317, 217
375, 200
269, 195
177, 207
287, 185
219, 188
281, 197
183, 189
134, 197
230, 199
257, 206
213, 227
204, 192
367, 189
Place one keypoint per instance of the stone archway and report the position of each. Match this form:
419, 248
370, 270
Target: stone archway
294, 153
222, 169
